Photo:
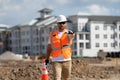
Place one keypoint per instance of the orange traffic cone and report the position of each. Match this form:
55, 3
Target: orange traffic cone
44, 71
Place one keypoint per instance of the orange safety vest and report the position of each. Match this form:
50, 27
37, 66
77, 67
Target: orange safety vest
61, 45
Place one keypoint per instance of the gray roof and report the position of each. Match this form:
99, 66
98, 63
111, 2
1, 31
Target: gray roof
26, 25
106, 19
42, 19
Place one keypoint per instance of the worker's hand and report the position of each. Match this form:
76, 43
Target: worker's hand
70, 32
46, 61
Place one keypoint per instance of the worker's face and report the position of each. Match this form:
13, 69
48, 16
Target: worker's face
62, 25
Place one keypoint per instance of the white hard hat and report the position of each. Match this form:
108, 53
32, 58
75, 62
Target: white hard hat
61, 18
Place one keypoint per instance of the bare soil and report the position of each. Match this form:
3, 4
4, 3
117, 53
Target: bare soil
82, 69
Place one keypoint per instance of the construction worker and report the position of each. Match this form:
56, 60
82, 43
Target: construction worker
59, 48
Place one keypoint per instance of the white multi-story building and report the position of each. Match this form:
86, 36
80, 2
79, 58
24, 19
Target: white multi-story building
14, 39
32, 38
95, 33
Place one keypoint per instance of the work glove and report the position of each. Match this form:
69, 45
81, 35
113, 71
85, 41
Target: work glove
46, 61
70, 32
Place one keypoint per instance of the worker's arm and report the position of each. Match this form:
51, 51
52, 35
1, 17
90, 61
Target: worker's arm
49, 50
72, 35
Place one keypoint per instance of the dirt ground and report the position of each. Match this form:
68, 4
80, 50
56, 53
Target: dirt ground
82, 69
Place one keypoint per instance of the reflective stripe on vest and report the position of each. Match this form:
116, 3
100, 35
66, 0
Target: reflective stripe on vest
64, 47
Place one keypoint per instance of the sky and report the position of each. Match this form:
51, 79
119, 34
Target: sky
14, 12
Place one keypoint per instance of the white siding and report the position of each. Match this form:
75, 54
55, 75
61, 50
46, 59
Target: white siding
102, 37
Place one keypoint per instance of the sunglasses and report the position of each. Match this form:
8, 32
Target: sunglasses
61, 22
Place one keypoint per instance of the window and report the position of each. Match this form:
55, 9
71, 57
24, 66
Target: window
87, 36
37, 40
112, 36
115, 27
105, 45
119, 45
87, 45
46, 38
75, 45
23, 40
97, 45
105, 28
37, 48
0, 39
42, 31
75, 37
8, 35
105, 36
36, 31
112, 27
50, 29
27, 32
119, 28
97, 36
43, 39
23, 33
119, 36
115, 35
96, 27
75, 53
115, 43
43, 47
0, 35
81, 45
81, 36
112, 45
